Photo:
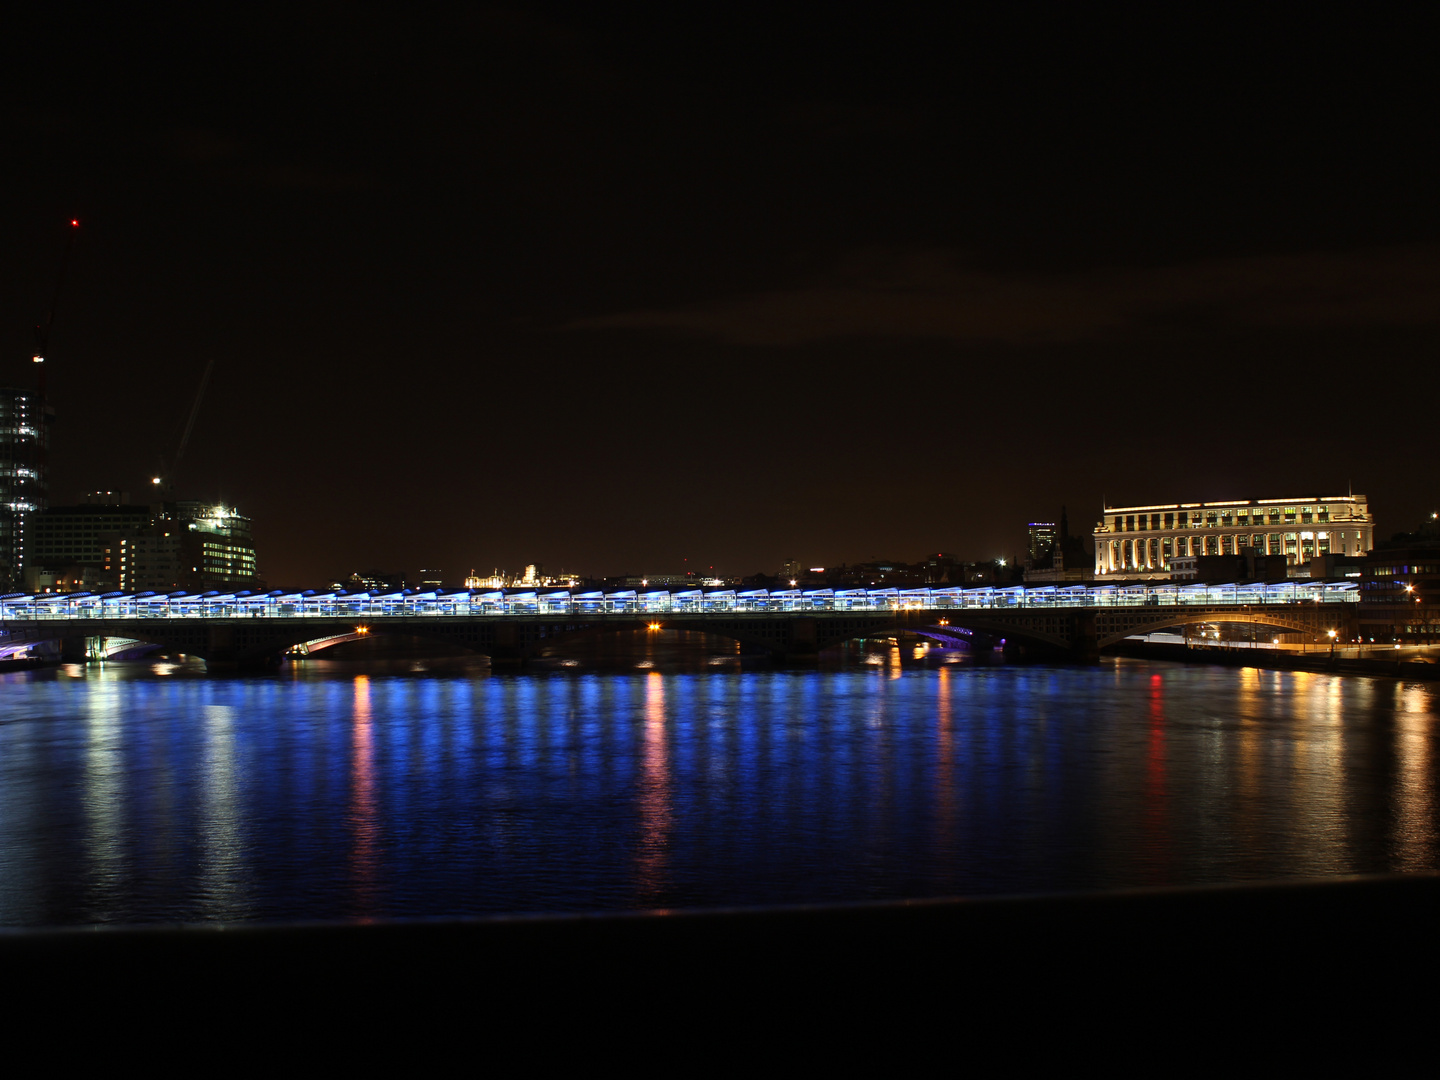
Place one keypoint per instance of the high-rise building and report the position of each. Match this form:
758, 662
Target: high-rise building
24, 436
186, 545
1043, 537
69, 547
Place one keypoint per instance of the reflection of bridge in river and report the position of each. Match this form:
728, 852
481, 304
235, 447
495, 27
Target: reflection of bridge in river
508, 625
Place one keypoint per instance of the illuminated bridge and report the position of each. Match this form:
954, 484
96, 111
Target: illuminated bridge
247, 629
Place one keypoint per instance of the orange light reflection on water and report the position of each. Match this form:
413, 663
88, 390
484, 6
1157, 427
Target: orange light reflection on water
656, 810
1414, 840
363, 817
945, 801
1157, 802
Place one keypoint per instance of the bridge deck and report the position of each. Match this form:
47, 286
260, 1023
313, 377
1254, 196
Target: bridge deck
470, 604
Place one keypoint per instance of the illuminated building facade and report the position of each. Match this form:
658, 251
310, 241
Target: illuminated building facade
186, 545
1400, 587
1143, 541
24, 434
1044, 536
533, 577
70, 545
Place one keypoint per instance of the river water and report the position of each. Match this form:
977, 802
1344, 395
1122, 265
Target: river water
333, 791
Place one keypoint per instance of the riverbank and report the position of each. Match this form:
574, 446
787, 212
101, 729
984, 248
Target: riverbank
1398, 666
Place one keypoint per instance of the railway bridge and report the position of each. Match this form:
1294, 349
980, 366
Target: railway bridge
253, 630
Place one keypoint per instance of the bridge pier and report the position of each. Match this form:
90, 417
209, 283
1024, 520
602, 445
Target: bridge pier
796, 657
505, 650
75, 650
1020, 651
1085, 640
801, 647
243, 664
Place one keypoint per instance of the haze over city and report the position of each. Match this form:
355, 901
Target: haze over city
488, 286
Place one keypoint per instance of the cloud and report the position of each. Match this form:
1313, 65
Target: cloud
931, 295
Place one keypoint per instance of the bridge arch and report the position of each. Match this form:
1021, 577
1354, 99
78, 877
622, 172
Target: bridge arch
1301, 622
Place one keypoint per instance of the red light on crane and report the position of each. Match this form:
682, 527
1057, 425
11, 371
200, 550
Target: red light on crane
75, 222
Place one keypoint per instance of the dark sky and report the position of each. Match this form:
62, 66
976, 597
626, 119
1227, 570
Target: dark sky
488, 285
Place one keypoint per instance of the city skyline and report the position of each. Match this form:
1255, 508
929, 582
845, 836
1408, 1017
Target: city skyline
497, 288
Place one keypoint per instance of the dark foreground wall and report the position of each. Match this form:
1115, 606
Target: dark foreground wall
1263, 977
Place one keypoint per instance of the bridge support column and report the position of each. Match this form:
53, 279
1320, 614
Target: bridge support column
800, 648
796, 658
1013, 651
504, 650
229, 650
74, 650
1085, 640
216, 665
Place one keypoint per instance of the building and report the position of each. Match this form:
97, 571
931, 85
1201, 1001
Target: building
1333, 567
24, 438
1142, 541
1044, 535
194, 546
70, 547
1247, 564
657, 580
1400, 587
1053, 555
371, 581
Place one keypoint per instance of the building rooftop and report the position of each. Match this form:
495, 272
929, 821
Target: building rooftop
1237, 502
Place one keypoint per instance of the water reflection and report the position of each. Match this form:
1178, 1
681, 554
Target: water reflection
654, 792
130, 796
104, 781
1415, 806
363, 817
222, 874
1157, 811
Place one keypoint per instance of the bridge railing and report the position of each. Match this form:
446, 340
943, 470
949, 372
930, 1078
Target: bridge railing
519, 602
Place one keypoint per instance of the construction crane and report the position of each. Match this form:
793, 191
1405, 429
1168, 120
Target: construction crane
164, 480
42, 330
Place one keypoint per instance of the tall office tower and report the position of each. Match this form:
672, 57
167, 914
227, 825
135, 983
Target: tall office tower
24, 435
187, 545
1044, 536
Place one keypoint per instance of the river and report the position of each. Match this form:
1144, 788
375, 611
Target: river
151, 792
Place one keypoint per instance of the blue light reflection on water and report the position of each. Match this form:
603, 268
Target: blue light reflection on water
128, 797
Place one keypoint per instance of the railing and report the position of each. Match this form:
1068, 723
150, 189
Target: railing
470, 603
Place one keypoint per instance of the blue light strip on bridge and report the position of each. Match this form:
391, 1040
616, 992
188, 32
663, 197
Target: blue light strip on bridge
472, 603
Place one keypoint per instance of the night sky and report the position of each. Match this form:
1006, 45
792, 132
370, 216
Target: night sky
489, 286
